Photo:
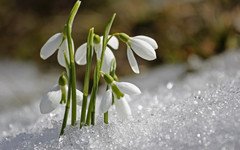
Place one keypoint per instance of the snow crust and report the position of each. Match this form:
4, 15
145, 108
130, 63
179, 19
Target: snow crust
176, 110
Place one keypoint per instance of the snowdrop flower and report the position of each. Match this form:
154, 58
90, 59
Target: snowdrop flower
122, 107
143, 46
52, 99
80, 56
57, 41
118, 89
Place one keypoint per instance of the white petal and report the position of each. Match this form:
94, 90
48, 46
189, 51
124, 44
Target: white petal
79, 97
149, 40
98, 50
132, 61
62, 48
66, 90
60, 56
122, 108
80, 56
113, 42
51, 45
107, 60
106, 101
127, 88
128, 98
51, 100
105, 68
143, 49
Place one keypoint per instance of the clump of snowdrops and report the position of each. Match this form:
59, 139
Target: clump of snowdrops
65, 91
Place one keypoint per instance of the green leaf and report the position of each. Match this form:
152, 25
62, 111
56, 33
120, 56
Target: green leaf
87, 75
73, 13
106, 33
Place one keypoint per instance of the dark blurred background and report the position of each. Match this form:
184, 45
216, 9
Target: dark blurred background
180, 27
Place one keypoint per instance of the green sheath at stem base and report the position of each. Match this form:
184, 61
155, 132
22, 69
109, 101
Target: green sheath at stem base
106, 117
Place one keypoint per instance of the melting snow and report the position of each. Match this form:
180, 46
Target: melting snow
176, 110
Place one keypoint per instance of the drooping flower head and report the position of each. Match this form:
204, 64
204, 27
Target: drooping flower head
118, 90
57, 95
143, 46
52, 99
80, 56
57, 41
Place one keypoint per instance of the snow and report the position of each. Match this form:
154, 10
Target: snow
21, 83
176, 110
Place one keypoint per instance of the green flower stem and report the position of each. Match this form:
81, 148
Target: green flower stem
88, 120
73, 13
72, 71
91, 109
106, 117
66, 61
115, 34
104, 45
87, 75
67, 107
112, 74
70, 67
105, 38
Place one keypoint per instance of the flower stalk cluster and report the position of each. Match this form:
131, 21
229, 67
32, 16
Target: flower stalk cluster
66, 93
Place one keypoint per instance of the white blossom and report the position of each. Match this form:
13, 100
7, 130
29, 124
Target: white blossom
80, 56
55, 42
144, 47
121, 104
52, 99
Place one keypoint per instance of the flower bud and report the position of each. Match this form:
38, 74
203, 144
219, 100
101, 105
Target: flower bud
96, 39
62, 81
124, 37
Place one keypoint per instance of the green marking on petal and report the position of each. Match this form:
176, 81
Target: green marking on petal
107, 78
117, 92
